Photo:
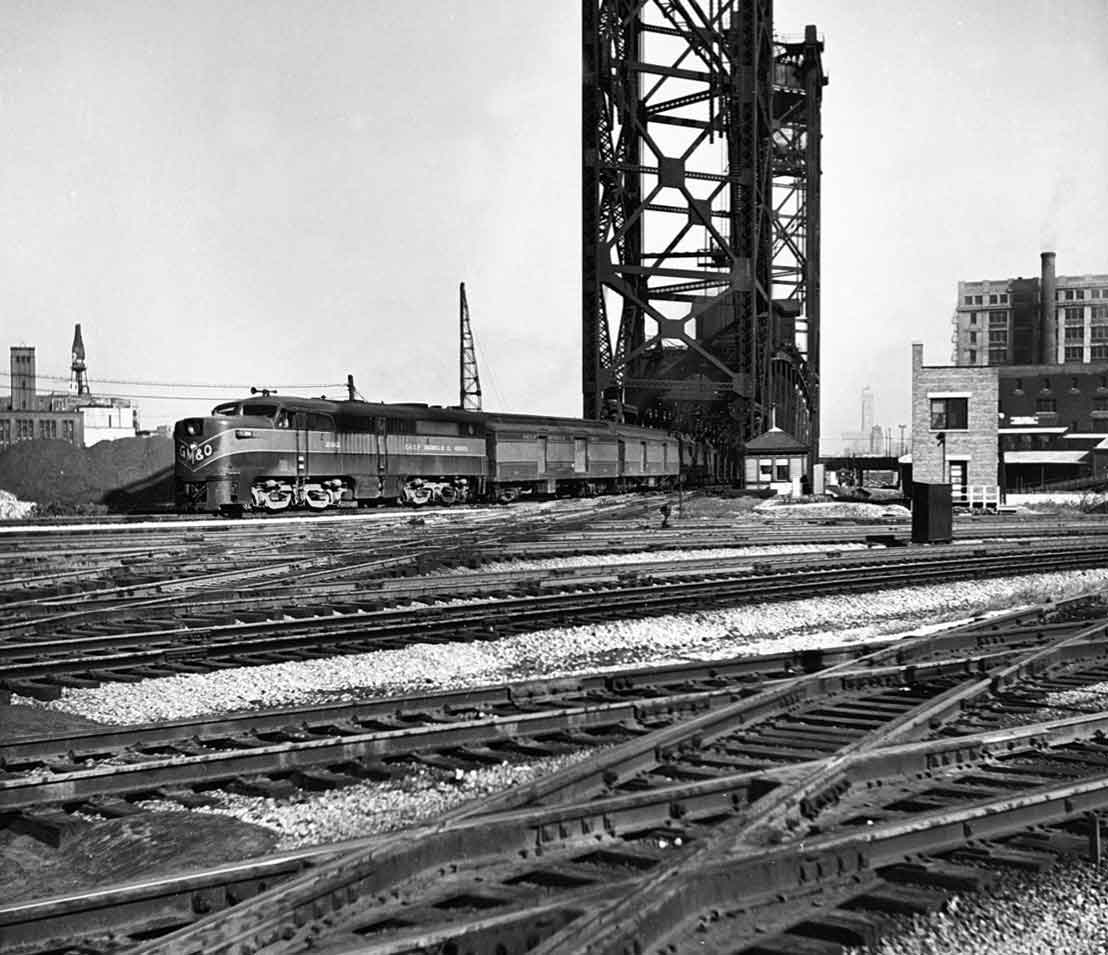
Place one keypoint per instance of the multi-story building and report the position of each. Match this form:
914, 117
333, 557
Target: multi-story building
78, 416
1028, 321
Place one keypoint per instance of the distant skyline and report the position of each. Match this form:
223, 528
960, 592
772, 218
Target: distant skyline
281, 193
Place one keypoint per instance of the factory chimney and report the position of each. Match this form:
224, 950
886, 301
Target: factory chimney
78, 381
1048, 312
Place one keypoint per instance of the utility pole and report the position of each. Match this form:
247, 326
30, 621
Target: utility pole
469, 392
901, 439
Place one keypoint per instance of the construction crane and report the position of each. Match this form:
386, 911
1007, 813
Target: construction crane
469, 397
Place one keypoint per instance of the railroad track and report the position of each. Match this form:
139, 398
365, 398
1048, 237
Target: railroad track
629, 840
40, 668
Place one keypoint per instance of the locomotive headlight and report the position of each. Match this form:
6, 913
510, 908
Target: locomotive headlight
243, 433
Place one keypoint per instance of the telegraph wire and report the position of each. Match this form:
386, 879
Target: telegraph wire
172, 384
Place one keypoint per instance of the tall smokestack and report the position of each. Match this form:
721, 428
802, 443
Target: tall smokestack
1048, 312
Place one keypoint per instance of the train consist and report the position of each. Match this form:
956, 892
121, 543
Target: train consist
273, 453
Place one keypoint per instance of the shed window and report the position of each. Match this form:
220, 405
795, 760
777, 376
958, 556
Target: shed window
949, 414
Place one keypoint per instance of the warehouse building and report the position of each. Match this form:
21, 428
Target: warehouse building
76, 416
1051, 319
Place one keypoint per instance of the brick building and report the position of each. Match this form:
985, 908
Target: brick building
1028, 321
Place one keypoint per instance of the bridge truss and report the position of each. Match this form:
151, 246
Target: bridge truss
701, 165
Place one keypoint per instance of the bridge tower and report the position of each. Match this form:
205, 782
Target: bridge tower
700, 242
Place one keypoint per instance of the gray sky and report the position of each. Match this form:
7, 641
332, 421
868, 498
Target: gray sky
283, 192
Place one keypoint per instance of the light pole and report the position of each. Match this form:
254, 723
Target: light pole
901, 439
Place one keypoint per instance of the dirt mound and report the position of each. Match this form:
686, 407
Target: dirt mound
62, 479
126, 850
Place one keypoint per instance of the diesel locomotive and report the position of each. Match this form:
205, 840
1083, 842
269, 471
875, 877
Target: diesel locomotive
273, 453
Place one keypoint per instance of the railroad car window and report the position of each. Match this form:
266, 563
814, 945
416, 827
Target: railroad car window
320, 422
230, 409
259, 409
436, 427
400, 426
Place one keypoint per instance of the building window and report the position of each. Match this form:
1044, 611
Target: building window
949, 414
1100, 313
1080, 295
24, 429
1100, 404
1075, 333
973, 356
998, 356
1076, 314
1069, 295
994, 300
998, 336
968, 300
1099, 333
47, 429
999, 317
1046, 406
1074, 352
67, 431
1019, 386
973, 338
978, 300
1099, 353
1095, 293
973, 318
5, 432
1004, 298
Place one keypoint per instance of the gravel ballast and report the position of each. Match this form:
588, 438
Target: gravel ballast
1061, 912
372, 808
767, 628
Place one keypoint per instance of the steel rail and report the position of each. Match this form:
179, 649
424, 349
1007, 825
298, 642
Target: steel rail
285, 918
24, 661
740, 670
411, 852
193, 893
154, 774
651, 913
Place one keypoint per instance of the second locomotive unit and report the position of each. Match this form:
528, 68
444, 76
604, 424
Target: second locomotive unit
273, 453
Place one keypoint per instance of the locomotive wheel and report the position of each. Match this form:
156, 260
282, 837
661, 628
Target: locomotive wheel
417, 496
276, 501
448, 495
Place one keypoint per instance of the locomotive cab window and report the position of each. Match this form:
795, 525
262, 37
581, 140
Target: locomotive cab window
230, 409
949, 414
256, 409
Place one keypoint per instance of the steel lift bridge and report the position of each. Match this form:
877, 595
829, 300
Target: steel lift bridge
701, 175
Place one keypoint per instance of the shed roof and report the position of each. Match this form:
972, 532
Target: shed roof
777, 441
1044, 457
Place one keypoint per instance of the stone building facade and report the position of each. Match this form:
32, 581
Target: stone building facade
954, 424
